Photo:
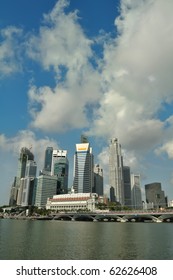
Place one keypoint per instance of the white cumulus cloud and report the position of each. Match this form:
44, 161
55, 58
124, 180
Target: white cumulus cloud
28, 139
137, 71
61, 45
10, 58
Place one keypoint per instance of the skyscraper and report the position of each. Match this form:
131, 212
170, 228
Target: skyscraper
112, 194
98, 180
48, 160
60, 167
46, 188
155, 196
25, 155
116, 170
136, 191
29, 183
127, 186
83, 168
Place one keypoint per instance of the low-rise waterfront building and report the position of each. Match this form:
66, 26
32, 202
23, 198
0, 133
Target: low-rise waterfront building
72, 202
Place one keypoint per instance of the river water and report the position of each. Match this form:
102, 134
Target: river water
69, 240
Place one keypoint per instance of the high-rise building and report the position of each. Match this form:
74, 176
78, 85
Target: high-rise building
29, 183
98, 180
27, 191
13, 193
155, 196
136, 192
46, 188
112, 194
31, 169
116, 170
48, 160
60, 167
25, 155
127, 186
83, 168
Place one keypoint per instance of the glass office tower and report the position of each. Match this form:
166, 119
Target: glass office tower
83, 169
48, 159
60, 167
127, 186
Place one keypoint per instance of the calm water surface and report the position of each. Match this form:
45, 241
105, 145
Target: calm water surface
65, 240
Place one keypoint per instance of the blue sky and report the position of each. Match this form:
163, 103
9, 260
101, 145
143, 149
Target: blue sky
99, 67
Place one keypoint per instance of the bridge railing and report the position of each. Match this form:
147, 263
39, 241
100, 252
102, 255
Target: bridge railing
122, 212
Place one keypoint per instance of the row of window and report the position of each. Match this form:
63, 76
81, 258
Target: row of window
68, 207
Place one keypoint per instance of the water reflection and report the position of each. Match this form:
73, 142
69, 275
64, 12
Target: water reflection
84, 240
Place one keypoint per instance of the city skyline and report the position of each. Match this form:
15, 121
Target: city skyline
100, 68
28, 188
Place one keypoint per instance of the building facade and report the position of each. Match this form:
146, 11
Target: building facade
28, 186
29, 183
46, 187
136, 192
83, 169
25, 156
72, 202
112, 194
48, 160
98, 180
127, 186
116, 170
155, 196
60, 167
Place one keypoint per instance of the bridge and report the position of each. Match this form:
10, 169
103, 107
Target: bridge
118, 216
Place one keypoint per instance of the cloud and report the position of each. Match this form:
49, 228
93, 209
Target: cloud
136, 74
26, 138
166, 148
122, 94
61, 41
62, 46
10, 58
61, 109
137, 71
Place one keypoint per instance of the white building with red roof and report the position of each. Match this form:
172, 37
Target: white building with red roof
72, 202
